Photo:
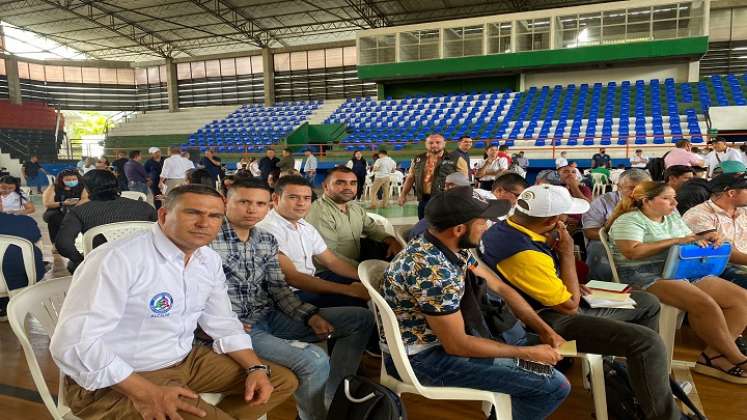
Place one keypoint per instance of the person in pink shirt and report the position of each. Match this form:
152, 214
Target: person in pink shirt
682, 155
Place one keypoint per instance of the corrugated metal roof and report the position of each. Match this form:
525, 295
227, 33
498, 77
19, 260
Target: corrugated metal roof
141, 30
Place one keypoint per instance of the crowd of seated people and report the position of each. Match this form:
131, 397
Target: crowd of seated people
285, 262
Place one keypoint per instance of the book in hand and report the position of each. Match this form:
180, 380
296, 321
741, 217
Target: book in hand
608, 286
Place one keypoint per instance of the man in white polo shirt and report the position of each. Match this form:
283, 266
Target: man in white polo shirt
174, 171
125, 335
299, 243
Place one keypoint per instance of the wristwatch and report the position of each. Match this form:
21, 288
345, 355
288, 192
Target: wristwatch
252, 369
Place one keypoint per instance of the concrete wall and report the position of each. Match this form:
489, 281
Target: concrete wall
678, 71
728, 23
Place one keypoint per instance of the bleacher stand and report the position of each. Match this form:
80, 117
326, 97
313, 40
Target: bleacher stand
252, 125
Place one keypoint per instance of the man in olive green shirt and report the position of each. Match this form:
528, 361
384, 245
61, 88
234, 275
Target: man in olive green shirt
342, 222
286, 160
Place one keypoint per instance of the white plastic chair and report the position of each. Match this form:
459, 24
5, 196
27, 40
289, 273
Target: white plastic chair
593, 367
395, 186
367, 184
599, 183
27, 254
388, 227
371, 273
134, 195
112, 232
670, 318
43, 301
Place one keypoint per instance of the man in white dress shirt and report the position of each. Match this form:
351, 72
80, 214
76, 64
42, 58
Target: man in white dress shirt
639, 161
125, 335
383, 169
299, 243
174, 171
491, 167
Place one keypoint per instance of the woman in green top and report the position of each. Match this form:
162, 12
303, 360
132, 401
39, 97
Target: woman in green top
641, 230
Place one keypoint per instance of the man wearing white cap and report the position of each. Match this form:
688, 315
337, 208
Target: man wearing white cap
153, 168
533, 251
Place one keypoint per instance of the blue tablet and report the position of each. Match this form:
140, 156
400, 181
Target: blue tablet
691, 261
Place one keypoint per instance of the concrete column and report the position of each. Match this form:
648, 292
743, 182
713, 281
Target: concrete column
522, 82
268, 73
14, 83
693, 71
172, 87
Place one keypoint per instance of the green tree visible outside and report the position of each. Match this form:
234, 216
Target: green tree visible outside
87, 123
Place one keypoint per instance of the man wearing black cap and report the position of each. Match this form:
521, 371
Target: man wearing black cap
425, 286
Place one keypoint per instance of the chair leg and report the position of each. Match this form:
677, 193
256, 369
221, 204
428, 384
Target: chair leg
502, 407
487, 407
596, 370
668, 320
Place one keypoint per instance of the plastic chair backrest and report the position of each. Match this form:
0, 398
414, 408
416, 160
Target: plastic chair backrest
383, 221
599, 178
134, 195
43, 301
371, 273
388, 227
27, 254
112, 232
605, 240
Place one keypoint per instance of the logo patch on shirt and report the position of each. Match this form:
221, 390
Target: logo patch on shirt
161, 304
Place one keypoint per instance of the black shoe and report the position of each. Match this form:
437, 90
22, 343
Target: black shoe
741, 343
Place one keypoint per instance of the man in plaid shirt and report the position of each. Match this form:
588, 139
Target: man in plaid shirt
281, 325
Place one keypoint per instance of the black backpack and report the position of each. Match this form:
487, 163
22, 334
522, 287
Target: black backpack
359, 398
621, 401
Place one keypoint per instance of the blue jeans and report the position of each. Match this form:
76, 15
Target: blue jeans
138, 186
331, 300
284, 341
596, 259
310, 176
736, 274
533, 395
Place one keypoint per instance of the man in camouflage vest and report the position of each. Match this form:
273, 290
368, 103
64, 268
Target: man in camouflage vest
429, 170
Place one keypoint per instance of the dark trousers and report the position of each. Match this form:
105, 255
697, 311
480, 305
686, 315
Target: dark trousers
361, 185
486, 185
630, 333
53, 217
421, 205
328, 300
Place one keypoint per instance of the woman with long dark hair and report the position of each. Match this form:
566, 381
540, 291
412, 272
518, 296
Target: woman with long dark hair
13, 200
359, 167
58, 198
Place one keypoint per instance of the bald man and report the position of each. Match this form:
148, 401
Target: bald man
429, 170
